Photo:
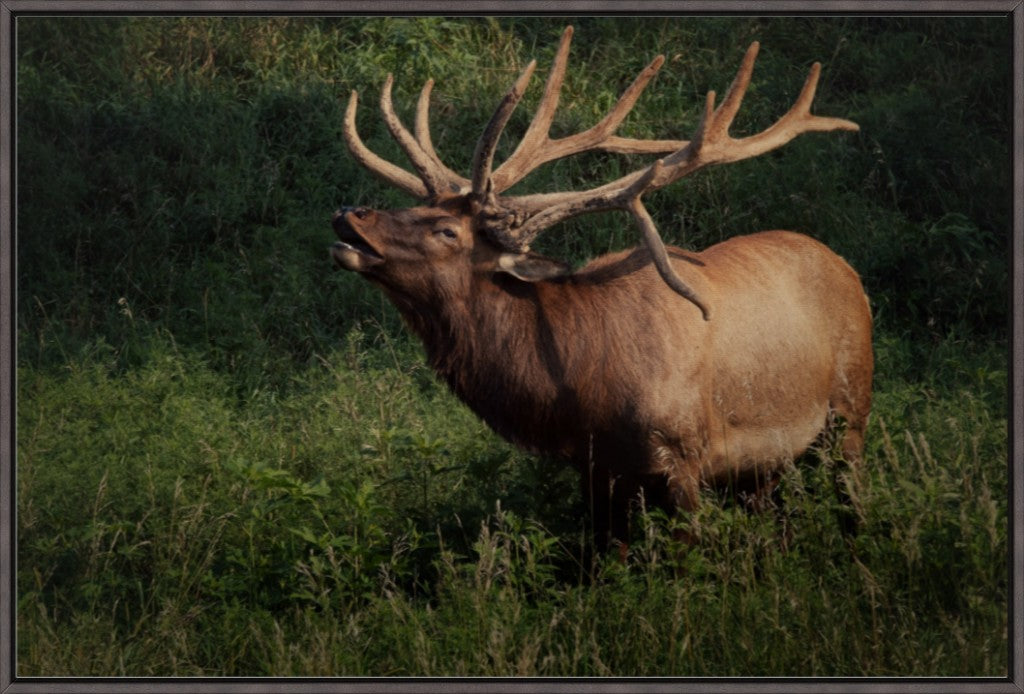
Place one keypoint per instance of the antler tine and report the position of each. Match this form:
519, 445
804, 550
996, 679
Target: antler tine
726, 112
422, 125
434, 177
537, 133
652, 239
395, 175
802, 107
422, 131
483, 156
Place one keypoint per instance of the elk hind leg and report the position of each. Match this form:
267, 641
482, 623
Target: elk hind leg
766, 495
849, 417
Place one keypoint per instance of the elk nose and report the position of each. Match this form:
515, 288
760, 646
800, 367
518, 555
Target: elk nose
340, 214
338, 218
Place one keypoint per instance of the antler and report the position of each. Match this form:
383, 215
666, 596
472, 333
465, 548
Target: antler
514, 221
711, 144
434, 178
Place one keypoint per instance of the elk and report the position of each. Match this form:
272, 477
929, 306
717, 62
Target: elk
654, 370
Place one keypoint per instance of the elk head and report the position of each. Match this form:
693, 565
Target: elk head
428, 252
468, 224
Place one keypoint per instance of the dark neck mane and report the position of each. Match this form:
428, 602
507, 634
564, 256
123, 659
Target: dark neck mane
499, 354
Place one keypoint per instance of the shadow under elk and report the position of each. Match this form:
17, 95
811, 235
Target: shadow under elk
653, 370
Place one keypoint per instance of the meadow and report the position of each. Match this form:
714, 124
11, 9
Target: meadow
233, 460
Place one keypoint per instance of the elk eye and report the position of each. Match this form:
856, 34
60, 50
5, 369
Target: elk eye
449, 232
361, 212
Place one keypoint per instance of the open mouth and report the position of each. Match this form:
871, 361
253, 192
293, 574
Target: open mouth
351, 250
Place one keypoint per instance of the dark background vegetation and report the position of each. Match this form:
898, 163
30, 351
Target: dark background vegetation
233, 461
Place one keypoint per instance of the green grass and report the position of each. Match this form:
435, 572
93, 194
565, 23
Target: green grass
233, 461
367, 524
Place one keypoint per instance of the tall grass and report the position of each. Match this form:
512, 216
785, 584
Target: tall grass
307, 542
232, 461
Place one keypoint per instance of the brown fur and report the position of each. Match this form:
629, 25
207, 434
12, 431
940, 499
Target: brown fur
612, 370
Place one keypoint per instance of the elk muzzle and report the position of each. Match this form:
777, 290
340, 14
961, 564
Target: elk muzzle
352, 251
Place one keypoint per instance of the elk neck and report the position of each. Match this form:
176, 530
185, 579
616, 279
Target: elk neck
516, 353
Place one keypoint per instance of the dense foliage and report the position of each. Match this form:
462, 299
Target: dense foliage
232, 460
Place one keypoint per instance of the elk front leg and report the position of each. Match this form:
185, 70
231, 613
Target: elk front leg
677, 461
684, 496
595, 487
609, 499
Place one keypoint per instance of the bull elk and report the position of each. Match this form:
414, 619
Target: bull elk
653, 370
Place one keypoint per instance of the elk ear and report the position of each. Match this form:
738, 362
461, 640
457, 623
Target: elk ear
531, 267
